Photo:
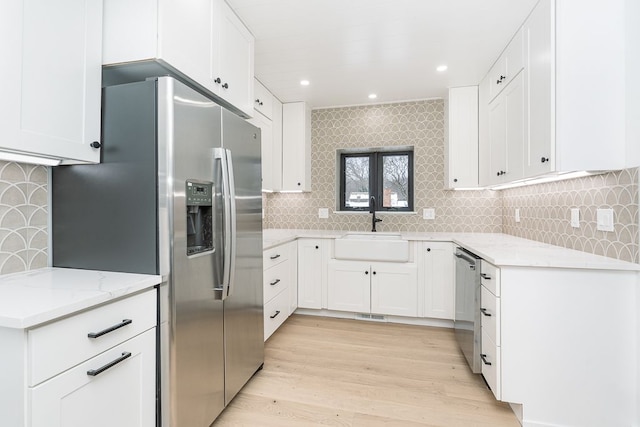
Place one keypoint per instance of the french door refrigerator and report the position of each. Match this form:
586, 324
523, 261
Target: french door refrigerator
177, 194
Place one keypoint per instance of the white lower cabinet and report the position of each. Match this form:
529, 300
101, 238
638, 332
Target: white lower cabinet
312, 272
490, 325
94, 368
379, 288
115, 388
279, 279
436, 275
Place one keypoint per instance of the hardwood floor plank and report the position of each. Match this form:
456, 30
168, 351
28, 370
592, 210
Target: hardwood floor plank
325, 371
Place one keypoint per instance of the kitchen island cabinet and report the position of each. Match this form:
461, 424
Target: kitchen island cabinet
79, 348
52, 54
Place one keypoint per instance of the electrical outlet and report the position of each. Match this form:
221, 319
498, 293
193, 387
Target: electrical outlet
517, 214
429, 213
604, 219
323, 213
575, 217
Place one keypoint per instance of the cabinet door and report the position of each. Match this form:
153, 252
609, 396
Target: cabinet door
311, 266
540, 151
276, 159
438, 280
235, 60
461, 165
51, 104
394, 289
497, 140
122, 395
349, 286
516, 108
266, 150
296, 147
263, 99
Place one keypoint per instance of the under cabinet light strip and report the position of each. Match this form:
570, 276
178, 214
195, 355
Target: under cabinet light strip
24, 158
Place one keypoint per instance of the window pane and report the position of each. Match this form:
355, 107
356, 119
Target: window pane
395, 182
356, 182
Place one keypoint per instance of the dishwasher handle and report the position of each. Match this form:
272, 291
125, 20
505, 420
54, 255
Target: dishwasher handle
471, 261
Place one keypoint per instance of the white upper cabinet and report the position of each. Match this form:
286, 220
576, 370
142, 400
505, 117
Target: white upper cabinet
201, 42
579, 93
266, 144
461, 142
50, 104
296, 147
507, 67
263, 101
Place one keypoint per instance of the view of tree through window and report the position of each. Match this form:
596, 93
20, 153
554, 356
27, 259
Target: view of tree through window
385, 175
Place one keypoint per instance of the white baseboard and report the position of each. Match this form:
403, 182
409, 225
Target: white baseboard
419, 321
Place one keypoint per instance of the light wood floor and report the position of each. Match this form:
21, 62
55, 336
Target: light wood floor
324, 371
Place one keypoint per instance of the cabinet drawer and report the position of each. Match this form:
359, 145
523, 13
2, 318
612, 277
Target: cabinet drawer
276, 279
121, 395
490, 277
58, 346
490, 314
276, 312
275, 256
491, 365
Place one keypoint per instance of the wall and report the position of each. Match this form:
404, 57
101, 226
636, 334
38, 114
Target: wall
419, 124
23, 217
544, 208
545, 213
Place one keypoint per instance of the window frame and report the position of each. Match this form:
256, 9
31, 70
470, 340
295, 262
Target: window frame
376, 187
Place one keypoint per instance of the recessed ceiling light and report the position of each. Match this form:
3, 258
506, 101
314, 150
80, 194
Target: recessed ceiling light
304, 82
441, 68
373, 96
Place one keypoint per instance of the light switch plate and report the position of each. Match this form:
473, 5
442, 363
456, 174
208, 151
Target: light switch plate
575, 217
428, 213
604, 219
323, 213
517, 214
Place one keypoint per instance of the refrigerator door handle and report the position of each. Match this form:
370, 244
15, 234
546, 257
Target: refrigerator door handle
222, 289
231, 255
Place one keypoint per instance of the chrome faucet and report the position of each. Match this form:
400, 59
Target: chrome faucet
372, 210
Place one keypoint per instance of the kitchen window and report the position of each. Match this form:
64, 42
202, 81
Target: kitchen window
386, 175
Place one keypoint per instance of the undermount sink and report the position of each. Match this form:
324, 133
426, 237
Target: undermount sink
372, 247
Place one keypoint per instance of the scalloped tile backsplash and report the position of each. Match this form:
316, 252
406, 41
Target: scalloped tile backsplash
544, 209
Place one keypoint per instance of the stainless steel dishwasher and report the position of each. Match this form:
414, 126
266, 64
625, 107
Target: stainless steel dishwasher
467, 304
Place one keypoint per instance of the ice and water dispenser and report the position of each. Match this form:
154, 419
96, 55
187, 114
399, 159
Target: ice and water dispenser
199, 217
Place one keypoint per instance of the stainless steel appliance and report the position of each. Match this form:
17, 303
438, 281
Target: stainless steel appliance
467, 305
177, 194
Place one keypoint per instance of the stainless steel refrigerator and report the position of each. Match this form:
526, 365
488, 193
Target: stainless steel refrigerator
177, 194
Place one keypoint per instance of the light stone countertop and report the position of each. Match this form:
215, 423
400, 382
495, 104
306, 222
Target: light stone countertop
33, 297
502, 250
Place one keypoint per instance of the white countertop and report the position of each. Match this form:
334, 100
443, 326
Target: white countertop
33, 297
502, 250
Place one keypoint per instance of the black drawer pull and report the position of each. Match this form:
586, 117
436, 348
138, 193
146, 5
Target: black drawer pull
275, 256
484, 359
275, 282
94, 372
125, 322
273, 316
485, 276
484, 311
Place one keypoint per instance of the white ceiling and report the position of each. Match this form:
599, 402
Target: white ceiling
348, 49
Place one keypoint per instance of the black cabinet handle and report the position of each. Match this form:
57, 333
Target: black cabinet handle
299, 184
544, 159
95, 144
500, 173
258, 101
273, 316
484, 311
317, 247
275, 256
484, 359
125, 322
217, 80
275, 282
455, 179
485, 276
428, 249
374, 272
366, 272
94, 372
225, 86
